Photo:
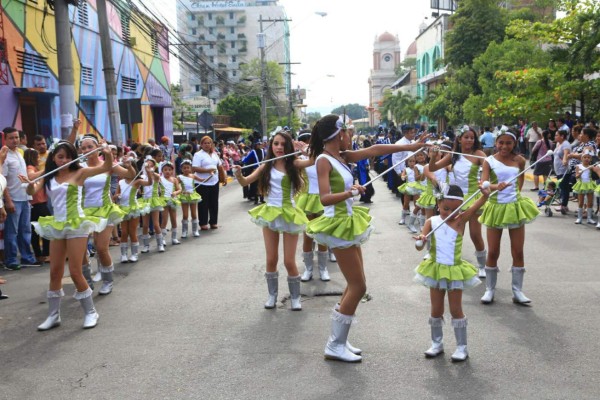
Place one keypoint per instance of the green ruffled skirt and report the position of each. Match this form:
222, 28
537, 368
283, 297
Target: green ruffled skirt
172, 202
344, 231
51, 229
584, 188
509, 215
427, 200
446, 277
412, 189
310, 203
154, 203
135, 211
190, 198
112, 212
286, 219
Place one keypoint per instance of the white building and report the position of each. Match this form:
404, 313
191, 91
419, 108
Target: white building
386, 57
223, 35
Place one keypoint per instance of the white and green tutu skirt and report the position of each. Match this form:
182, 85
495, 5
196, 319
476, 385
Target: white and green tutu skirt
309, 203
509, 215
112, 212
342, 232
51, 229
412, 188
287, 219
584, 188
446, 277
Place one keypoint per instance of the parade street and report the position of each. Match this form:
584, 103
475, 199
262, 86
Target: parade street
190, 324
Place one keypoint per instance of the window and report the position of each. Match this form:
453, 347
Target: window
87, 75
211, 59
197, 88
233, 45
125, 28
154, 42
210, 16
194, 31
89, 109
193, 17
211, 31
234, 73
31, 63
231, 16
82, 13
211, 46
128, 84
233, 58
232, 30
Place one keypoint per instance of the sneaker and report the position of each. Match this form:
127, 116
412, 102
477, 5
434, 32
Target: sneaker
12, 267
124, 259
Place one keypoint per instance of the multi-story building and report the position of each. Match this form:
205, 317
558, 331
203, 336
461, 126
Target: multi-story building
386, 57
29, 69
223, 36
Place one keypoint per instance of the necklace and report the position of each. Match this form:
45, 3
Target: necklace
341, 161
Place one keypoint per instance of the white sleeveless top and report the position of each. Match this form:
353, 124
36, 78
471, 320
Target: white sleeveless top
96, 190
338, 185
168, 187
313, 179
586, 176
448, 243
280, 190
187, 183
460, 174
504, 173
125, 199
66, 200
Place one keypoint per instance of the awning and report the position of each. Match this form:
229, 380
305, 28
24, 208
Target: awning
33, 92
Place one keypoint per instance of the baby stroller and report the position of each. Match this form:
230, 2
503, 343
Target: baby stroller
551, 199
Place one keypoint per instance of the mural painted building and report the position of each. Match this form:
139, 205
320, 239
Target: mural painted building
29, 69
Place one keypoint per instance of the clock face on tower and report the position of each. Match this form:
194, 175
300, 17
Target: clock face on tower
387, 58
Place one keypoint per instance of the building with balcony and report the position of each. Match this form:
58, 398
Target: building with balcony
30, 89
226, 33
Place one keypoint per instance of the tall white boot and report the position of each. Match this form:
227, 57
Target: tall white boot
146, 242
134, 252
437, 336
352, 349
294, 286
336, 349
460, 331
421, 221
195, 230
579, 216
331, 256
308, 259
91, 317
491, 276
273, 287
174, 240
590, 216
405, 214
107, 279
53, 320
160, 243
124, 249
411, 223
322, 262
481, 258
87, 274
184, 228
517, 285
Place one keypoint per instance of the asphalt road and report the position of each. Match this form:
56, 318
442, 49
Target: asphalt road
189, 324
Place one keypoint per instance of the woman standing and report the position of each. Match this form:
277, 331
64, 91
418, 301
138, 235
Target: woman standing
342, 227
39, 206
544, 162
563, 147
206, 164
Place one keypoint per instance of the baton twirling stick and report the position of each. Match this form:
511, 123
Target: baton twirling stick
203, 181
271, 159
78, 159
462, 154
548, 153
591, 166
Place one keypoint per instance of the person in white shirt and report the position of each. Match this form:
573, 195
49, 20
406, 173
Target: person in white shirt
408, 138
206, 164
533, 135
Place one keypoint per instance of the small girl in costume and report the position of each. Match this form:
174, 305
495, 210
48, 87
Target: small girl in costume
189, 199
68, 229
156, 204
170, 190
279, 181
585, 186
446, 271
412, 189
126, 196
506, 209
342, 227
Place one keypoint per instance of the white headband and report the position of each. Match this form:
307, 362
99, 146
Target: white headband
340, 124
440, 192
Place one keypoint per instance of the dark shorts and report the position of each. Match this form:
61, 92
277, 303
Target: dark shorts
543, 168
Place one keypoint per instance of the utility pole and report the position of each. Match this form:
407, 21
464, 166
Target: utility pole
66, 81
114, 118
263, 78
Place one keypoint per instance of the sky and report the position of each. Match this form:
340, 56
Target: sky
335, 51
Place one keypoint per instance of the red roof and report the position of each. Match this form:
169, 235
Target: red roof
386, 37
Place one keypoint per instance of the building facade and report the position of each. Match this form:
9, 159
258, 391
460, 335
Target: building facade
386, 57
30, 90
223, 36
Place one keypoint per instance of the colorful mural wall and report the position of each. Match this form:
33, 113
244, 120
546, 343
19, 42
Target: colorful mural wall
29, 97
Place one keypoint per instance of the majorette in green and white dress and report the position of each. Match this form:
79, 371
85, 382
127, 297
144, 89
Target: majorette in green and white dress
341, 225
507, 208
427, 199
152, 197
68, 221
445, 269
465, 175
279, 213
412, 187
97, 201
584, 184
309, 200
129, 203
167, 188
189, 194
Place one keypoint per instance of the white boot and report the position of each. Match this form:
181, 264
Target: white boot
405, 213
273, 287
146, 241
517, 285
307, 258
87, 274
53, 320
174, 240
598, 224
590, 218
411, 223
295, 297
491, 276
352, 349
134, 252
437, 336
460, 331
195, 230
481, 258
107, 279
87, 303
164, 235
184, 228
336, 344
124, 248
421, 221
322, 262
579, 216
160, 243
331, 256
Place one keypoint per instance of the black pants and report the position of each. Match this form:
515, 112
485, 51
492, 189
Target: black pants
566, 185
208, 205
37, 211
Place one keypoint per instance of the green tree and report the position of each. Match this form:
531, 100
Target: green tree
402, 107
243, 110
312, 117
179, 107
354, 111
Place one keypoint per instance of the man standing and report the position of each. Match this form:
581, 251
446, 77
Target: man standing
407, 138
533, 135
17, 229
39, 144
487, 141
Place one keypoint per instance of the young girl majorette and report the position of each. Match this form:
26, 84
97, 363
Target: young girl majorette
170, 191
126, 196
156, 204
310, 203
506, 209
343, 227
279, 180
189, 199
446, 271
97, 202
465, 174
412, 189
584, 188
68, 229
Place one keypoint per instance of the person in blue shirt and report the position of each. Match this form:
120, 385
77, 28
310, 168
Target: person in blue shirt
487, 141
